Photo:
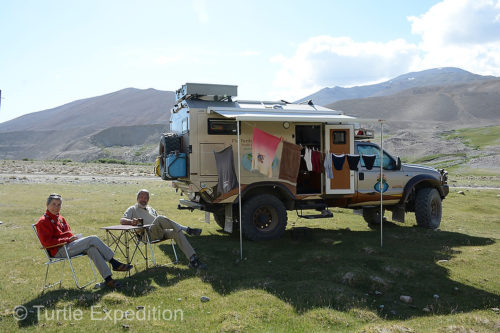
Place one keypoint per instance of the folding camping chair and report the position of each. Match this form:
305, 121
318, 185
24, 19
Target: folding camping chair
144, 238
51, 260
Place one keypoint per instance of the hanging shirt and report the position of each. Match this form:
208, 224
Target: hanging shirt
224, 161
353, 161
315, 159
369, 161
264, 148
328, 165
338, 161
308, 159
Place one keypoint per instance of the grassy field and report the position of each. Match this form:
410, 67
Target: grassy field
478, 138
337, 279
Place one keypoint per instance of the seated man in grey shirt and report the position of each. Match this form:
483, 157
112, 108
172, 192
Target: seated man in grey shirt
162, 227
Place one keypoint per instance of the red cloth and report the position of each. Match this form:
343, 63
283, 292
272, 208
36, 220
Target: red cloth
316, 156
53, 229
264, 146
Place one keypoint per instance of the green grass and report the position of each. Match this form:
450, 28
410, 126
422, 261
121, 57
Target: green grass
478, 138
330, 282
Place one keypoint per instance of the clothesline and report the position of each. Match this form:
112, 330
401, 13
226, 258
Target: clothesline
320, 162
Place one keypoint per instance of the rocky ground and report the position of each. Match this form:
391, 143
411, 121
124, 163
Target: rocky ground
72, 172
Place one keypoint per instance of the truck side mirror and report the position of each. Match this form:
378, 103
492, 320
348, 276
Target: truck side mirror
398, 164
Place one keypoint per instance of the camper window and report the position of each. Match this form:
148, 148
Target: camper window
221, 126
339, 137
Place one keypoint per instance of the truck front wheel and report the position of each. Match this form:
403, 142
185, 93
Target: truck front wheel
372, 216
264, 217
428, 208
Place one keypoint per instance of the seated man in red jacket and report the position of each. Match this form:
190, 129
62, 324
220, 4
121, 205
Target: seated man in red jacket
53, 230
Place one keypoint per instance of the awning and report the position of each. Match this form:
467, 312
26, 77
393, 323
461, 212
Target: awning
315, 116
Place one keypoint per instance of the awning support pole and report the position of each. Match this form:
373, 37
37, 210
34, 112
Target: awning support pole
381, 182
239, 189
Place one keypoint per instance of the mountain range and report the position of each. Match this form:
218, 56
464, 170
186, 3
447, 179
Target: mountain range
431, 77
127, 124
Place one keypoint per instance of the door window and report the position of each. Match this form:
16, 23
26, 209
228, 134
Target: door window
389, 163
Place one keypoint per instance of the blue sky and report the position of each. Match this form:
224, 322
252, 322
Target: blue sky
54, 52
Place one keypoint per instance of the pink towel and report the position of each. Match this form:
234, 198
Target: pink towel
264, 147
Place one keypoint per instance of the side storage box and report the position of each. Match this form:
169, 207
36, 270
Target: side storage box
176, 165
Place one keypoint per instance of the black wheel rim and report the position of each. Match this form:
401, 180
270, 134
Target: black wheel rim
265, 218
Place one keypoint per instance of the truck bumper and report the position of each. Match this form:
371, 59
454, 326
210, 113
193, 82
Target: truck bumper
188, 204
445, 189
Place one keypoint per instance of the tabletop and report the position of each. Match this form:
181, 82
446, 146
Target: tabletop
125, 227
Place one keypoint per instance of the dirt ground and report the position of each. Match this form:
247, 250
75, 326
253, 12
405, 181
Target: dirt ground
50, 172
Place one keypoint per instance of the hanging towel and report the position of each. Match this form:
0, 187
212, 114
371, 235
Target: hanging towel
290, 161
316, 155
328, 165
225, 170
369, 161
338, 161
308, 159
264, 147
321, 162
353, 161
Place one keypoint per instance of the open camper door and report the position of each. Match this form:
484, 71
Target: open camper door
339, 139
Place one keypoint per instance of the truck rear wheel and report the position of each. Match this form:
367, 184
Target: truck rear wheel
220, 219
264, 217
428, 208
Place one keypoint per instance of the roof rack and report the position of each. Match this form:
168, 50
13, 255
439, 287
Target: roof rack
207, 92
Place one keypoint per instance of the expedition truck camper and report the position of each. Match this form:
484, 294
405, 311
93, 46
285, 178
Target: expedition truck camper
207, 159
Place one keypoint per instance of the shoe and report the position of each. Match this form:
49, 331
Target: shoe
193, 231
113, 284
196, 263
123, 268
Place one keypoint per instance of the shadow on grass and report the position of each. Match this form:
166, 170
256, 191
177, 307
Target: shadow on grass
339, 269
344, 269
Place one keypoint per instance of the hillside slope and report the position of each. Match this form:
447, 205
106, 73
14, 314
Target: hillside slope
125, 124
469, 104
125, 107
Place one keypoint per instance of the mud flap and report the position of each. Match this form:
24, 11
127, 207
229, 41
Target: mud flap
228, 224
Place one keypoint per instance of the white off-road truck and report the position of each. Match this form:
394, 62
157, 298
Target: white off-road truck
207, 120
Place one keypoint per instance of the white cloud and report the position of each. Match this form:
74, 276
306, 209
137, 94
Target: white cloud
200, 8
324, 60
461, 33
457, 33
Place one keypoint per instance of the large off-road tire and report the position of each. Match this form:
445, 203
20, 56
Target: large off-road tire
220, 219
372, 216
264, 217
169, 142
428, 208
